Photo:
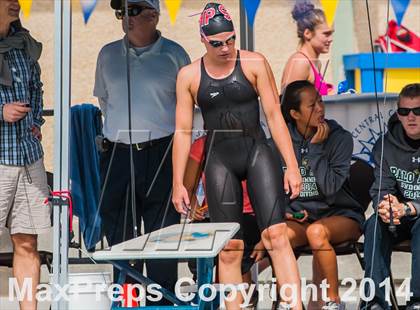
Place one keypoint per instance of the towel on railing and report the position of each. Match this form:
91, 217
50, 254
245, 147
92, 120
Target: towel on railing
86, 124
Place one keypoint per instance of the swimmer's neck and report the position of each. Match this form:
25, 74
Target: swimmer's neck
309, 51
220, 67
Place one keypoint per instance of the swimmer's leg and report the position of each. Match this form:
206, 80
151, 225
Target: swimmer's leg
224, 197
265, 186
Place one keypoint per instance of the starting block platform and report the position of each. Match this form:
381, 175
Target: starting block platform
202, 241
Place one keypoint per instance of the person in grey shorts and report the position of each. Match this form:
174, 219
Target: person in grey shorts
23, 182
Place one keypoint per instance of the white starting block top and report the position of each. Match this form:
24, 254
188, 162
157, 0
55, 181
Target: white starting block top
198, 240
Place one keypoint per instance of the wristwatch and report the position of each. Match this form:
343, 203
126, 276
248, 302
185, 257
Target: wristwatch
407, 209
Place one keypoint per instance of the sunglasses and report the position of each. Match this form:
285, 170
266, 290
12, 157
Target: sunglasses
406, 111
132, 11
217, 44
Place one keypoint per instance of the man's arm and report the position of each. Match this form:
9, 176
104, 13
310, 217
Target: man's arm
99, 89
36, 93
388, 184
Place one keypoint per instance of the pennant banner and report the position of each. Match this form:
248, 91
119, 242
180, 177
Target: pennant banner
173, 7
87, 8
329, 7
25, 6
251, 7
400, 7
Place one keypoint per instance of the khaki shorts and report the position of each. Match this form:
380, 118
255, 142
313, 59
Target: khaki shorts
22, 207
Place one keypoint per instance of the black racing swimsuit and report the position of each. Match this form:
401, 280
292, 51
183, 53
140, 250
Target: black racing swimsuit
237, 150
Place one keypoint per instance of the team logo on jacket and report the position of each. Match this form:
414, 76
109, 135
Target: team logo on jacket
408, 182
415, 160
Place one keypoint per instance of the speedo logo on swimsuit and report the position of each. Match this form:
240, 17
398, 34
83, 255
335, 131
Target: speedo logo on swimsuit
212, 95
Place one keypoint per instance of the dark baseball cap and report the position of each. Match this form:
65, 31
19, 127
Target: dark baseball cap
118, 4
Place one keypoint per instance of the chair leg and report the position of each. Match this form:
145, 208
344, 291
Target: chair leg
393, 297
360, 257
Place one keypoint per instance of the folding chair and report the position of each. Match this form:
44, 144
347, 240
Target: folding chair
405, 247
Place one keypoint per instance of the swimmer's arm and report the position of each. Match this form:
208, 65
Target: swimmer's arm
278, 128
272, 81
296, 69
275, 120
183, 124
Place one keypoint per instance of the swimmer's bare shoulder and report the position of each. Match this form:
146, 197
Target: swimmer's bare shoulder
189, 77
297, 68
254, 63
252, 59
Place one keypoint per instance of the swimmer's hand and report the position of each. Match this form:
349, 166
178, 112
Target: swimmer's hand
180, 199
259, 251
198, 213
292, 182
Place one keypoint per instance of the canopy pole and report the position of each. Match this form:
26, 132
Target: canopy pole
246, 30
62, 78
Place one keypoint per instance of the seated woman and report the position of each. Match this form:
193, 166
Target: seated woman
315, 38
330, 213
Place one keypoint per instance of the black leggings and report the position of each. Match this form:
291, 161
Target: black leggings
230, 161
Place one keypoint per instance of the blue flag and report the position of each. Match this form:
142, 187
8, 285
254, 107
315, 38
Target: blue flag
87, 7
251, 7
400, 7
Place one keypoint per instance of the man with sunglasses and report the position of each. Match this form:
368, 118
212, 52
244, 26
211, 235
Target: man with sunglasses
154, 62
396, 188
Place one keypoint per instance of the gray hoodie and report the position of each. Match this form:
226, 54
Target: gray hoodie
400, 167
325, 170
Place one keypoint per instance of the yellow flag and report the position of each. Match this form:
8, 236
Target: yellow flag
25, 5
75, 5
173, 7
329, 7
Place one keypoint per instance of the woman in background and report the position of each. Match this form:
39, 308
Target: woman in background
315, 38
